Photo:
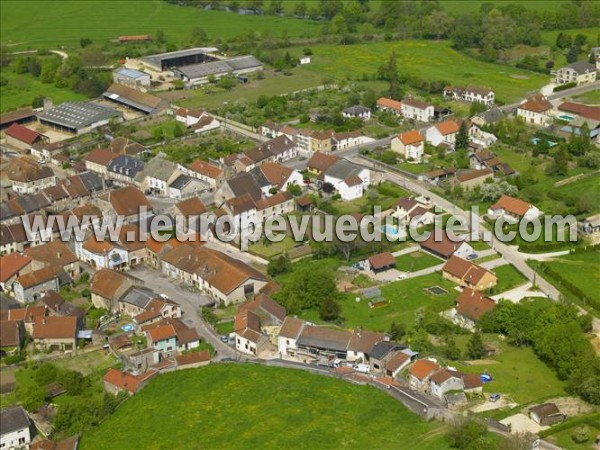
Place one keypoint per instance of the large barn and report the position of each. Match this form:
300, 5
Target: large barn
79, 117
166, 61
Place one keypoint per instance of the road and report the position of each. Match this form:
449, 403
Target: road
190, 300
558, 95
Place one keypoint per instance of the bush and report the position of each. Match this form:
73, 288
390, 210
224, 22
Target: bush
563, 87
581, 435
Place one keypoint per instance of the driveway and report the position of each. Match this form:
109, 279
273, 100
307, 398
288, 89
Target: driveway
190, 301
517, 294
520, 423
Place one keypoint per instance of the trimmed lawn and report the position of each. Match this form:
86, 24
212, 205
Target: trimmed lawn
518, 372
415, 261
86, 363
225, 327
270, 249
404, 297
508, 278
592, 97
210, 407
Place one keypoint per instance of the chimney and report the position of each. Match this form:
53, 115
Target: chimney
58, 255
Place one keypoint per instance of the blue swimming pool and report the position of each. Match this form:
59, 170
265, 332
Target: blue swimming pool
391, 230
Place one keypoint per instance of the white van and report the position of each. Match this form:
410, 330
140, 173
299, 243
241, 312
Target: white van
363, 368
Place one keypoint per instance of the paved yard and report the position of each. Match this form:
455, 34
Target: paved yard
517, 294
520, 423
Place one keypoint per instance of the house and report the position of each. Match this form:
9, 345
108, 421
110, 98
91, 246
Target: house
170, 335
184, 186
389, 105
320, 162
97, 160
445, 380
116, 381
55, 255
108, 286
439, 175
382, 262
288, 336
361, 344
471, 305
513, 207
12, 266
23, 138
197, 120
189, 208
411, 145
125, 146
108, 254
278, 149
357, 112
127, 202
132, 78
57, 306
56, 332
279, 177
45, 152
470, 94
16, 428
396, 363
410, 211
442, 133
480, 137
417, 110
420, 372
206, 172
535, 111
349, 179
442, 246
124, 168
471, 179
11, 337
546, 414
135, 300
345, 140
242, 183
580, 72
157, 309
466, 273
248, 335
156, 176
30, 286
226, 279
318, 341
27, 316
381, 353
27, 176
472, 383
319, 141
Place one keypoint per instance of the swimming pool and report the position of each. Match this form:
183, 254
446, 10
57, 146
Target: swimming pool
392, 231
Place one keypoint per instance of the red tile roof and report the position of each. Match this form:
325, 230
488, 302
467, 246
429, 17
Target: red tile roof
473, 304
588, 112
23, 134
447, 127
382, 260
206, 169
389, 103
422, 368
512, 205
537, 103
11, 264
101, 156
122, 380
465, 270
55, 327
411, 137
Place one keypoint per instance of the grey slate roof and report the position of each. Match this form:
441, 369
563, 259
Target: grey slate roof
78, 114
582, 67
91, 181
492, 115
343, 169
126, 165
356, 110
158, 168
13, 419
181, 182
244, 183
219, 67
139, 296
381, 349
156, 60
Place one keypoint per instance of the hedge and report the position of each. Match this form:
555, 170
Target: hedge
563, 87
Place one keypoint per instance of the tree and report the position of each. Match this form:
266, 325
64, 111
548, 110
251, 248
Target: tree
475, 349
300, 9
397, 331
158, 134
451, 350
307, 51
199, 37
178, 130
573, 53
462, 137
560, 166
327, 187
563, 40
38, 101
580, 40
493, 191
581, 435
294, 189
279, 265
389, 157
32, 396
330, 308
468, 433
227, 82
84, 42
275, 7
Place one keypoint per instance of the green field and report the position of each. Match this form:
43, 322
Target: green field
412, 262
249, 406
21, 89
508, 278
519, 373
427, 60
35, 24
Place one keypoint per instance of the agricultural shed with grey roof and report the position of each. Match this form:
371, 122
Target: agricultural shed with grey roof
78, 117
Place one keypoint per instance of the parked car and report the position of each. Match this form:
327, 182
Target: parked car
472, 256
362, 368
224, 339
494, 397
402, 276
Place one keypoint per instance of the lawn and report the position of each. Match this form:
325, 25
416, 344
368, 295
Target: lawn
21, 89
42, 24
518, 372
591, 98
427, 60
86, 363
405, 297
508, 278
415, 261
268, 249
251, 406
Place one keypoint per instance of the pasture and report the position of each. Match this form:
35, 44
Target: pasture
251, 406
41, 24
427, 60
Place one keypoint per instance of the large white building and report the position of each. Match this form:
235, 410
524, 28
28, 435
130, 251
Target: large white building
580, 72
417, 110
15, 431
535, 111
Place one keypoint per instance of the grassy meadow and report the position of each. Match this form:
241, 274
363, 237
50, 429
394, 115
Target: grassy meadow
42, 24
248, 406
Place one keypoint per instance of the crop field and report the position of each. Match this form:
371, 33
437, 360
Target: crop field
427, 60
250, 406
42, 24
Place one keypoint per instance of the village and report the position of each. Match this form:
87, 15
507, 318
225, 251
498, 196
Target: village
151, 307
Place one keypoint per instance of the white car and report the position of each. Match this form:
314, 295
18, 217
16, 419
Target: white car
402, 276
362, 368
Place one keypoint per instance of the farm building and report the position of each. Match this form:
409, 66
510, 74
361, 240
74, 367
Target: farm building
132, 98
20, 116
79, 117
131, 78
165, 61
22, 137
199, 73
382, 262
